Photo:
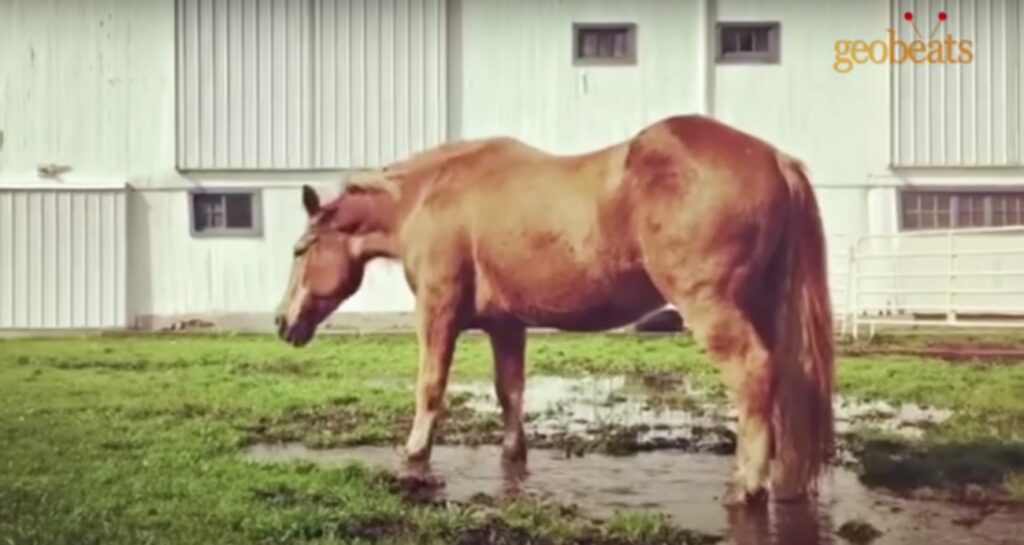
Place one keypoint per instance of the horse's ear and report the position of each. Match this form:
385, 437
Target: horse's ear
310, 200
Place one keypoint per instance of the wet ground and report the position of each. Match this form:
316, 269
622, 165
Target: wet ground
666, 448
669, 411
687, 488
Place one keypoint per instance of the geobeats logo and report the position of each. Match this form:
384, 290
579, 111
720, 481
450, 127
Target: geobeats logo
849, 53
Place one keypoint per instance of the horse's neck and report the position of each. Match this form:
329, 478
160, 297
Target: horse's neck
377, 245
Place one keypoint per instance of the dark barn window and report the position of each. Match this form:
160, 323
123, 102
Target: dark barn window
604, 43
754, 43
225, 213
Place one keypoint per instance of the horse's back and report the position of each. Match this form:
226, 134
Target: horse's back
540, 233
707, 198
697, 144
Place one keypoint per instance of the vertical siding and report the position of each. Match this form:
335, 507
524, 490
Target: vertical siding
296, 84
380, 82
967, 114
516, 74
62, 259
244, 84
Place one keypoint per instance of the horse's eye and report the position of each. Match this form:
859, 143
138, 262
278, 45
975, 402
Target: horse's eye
344, 226
302, 246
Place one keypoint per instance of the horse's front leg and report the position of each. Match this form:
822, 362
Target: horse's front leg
437, 333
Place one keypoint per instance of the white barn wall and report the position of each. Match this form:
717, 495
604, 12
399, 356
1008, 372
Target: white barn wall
946, 119
963, 114
63, 257
381, 89
245, 84
181, 276
519, 79
74, 73
91, 84
516, 74
837, 123
348, 83
173, 274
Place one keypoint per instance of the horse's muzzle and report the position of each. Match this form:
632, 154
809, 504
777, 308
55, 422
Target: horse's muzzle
297, 334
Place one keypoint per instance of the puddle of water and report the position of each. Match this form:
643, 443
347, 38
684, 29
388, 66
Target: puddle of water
685, 486
674, 429
907, 419
583, 406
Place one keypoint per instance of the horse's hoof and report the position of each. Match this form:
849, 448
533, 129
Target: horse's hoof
514, 452
513, 456
417, 455
736, 496
796, 497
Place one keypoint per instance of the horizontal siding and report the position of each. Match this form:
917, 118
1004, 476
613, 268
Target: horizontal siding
62, 259
967, 114
297, 84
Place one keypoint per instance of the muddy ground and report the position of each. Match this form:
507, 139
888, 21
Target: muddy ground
238, 439
606, 443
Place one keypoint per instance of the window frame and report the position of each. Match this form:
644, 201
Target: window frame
773, 55
255, 230
956, 195
630, 59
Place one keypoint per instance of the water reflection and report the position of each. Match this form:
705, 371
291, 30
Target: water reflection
685, 486
780, 524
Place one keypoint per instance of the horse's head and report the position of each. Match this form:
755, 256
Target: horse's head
327, 269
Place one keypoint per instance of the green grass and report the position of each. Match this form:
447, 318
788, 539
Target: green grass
135, 439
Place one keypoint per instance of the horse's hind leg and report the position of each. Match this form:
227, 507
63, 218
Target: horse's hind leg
508, 345
725, 329
745, 362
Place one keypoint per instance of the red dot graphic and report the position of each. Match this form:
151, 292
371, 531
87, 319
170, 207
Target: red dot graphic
908, 16
942, 16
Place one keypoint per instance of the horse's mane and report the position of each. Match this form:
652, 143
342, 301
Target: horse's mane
392, 175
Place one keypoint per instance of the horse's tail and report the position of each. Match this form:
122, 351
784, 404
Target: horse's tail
803, 432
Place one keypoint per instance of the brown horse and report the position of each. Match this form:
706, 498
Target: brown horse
499, 236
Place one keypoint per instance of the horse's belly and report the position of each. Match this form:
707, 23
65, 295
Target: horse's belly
578, 303
593, 318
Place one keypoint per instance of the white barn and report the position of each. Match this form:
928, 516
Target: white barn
151, 151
